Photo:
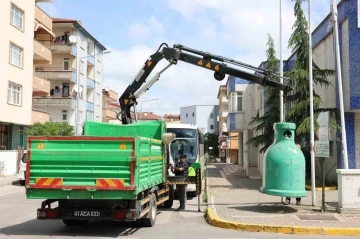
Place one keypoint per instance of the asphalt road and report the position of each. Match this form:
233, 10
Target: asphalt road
18, 220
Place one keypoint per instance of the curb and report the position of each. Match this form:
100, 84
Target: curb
214, 220
308, 188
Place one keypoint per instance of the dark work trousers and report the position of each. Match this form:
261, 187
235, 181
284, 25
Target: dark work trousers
181, 190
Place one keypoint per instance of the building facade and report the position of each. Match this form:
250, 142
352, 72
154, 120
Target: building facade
203, 116
110, 106
21, 22
324, 57
76, 76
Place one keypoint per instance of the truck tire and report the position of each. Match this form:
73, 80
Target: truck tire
150, 218
70, 222
169, 203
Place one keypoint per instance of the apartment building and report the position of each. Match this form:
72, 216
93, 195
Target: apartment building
110, 106
75, 75
22, 22
170, 118
203, 116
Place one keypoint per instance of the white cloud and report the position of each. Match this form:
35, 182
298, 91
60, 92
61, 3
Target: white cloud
146, 28
236, 26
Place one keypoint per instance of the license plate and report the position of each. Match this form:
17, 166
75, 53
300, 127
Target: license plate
86, 214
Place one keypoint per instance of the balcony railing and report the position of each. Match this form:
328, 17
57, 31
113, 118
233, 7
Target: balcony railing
89, 106
56, 73
90, 59
90, 83
110, 95
64, 48
224, 113
39, 116
108, 114
41, 87
42, 54
53, 101
56, 68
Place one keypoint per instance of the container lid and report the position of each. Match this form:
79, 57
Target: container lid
285, 126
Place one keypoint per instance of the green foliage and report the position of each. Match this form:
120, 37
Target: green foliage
298, 99
50, 129
211, 140
265, 123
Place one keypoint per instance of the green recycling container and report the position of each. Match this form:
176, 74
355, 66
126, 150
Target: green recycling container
284, 164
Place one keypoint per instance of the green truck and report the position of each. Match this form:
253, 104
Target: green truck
112, 172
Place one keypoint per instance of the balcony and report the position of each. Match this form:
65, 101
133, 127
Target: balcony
108, 114
109, 95
38, 116
41, 87
90, 83
224, 100
43, 18
42, 54
90, 60
64, 48
56, 73
54, 101
89, 106
224, 113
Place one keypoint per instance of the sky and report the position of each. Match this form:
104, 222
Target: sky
134, 29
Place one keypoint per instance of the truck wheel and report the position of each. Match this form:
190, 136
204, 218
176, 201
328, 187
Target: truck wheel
169, 203
70, 222
150, 218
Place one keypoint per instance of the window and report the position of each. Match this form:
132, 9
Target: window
211, 116
97, 99
17, 17
236, 102
15, 55
14, 94
66, 64
81, 92
193, 114
89, 115
81, 67
186, 115
66, 90
64, 115
211, 126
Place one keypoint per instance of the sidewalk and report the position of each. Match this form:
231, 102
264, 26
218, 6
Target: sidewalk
7, 180
237, 203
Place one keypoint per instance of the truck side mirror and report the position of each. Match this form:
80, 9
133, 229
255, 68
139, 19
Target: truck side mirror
167, 138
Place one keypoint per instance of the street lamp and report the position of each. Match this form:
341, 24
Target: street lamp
141, 106
78, 88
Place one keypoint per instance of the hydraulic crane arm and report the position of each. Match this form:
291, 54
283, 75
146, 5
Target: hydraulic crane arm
194, 57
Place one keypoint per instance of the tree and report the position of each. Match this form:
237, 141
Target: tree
50, 129
265, 123
299, 98
211, 140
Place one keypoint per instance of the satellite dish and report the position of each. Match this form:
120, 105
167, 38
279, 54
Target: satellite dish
72, 39
75, 88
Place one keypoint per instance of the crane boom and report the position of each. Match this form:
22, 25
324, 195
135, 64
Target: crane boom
194, 57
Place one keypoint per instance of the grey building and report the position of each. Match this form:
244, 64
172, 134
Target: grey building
204, 116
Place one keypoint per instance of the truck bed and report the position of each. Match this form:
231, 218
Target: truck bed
92, 167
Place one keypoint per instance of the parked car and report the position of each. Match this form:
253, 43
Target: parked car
22, 170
